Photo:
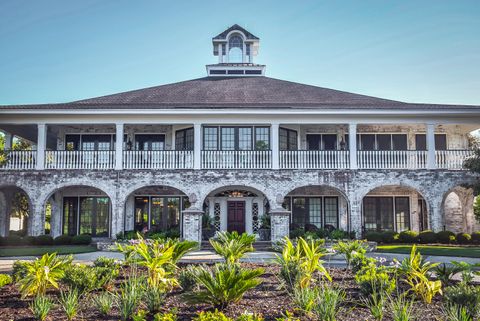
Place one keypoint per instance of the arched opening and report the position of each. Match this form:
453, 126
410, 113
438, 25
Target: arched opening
15, 208
317, 207
236, 208
156, 209
394, 208
78, 209
235, 48
458, 210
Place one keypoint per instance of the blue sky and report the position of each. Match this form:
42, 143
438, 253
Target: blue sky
415, 51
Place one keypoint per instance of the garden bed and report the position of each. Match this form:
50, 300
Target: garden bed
268, 299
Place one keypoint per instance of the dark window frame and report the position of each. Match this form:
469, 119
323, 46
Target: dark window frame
185, 143
290, 201
424, 142
236, 137
288, 135
393, 214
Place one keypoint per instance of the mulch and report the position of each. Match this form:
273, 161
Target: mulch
268, 299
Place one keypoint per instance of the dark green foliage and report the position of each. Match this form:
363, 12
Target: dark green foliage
408, 237
338, 235
389, 237
445, 273
445, 237
427, 237
89, 278
103, 261
14, 240
373, 279
186, 278
127, 235
374, 237
464, 238
296, 233
476, 237
154, 297
464, 295
29, 240
43, 240
82, 239
19, 270
63, 240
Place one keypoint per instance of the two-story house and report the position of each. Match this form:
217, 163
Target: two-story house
236, 146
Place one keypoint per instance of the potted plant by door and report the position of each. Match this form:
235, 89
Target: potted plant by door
208, 229
265, 229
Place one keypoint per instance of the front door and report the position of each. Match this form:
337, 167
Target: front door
236, 216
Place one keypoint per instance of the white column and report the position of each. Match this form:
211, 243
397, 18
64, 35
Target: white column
220, 53
197, 145
275, 146
430, 138
8, 141
119, 146
41, 145
244, 53
352, 145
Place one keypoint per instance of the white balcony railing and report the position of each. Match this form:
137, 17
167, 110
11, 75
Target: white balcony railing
392, 159
314, 159
80, 159
18, 159
158, 159
236, 159
451, 159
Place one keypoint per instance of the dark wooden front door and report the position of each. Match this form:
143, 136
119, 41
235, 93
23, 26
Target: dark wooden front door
236, 216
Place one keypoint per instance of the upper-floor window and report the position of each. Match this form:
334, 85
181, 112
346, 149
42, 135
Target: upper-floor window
235, 48
440, 142
89, 142
236, 138
149, 142
381, 141
184, 139
321, 141
288, 139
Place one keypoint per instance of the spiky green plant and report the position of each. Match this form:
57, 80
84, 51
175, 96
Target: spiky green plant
401, 308
328, 303
232, 246
223, 284
43, 273
129, 296
453, 312
69, 302
40, 307
104, 302
445, 272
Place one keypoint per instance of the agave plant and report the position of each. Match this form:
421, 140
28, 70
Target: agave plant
232, 246
43, 273
223, 284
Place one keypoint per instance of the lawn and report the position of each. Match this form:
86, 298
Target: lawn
40, 250
441, 250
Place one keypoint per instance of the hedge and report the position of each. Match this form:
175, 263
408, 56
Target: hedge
445, 237
464, 238
82, 239
63, 240
407, 236
427, 236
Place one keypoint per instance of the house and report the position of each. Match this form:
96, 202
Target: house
233, 148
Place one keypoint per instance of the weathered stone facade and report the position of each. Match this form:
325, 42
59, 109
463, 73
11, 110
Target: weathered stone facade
49, 186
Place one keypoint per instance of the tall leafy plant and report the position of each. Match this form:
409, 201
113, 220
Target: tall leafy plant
232, 246
350, 248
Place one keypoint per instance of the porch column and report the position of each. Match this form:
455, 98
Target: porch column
41, 145
192, 225
275, 146
220, 53
280, 224
431, 162
5, 208
56, 215
352, 145
197, 145
356, 217
119, 146
36, 220
8, 141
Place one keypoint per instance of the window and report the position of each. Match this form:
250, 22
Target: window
91, 213
70, 212
440, 142
288, 139
382, 141
386, 213
149, 142
315, 211
236, 138
89, 142
235, 48
331, 211
321, 141
319, 211
157, 213
184, 139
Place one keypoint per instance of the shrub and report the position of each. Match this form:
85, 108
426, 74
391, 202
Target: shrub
328, 303
414, 271
445, 237
250, 317
339, 234
69, 302
43, 273
350, 249
43, 240
5, 279
464, 238
374, 237
389, 237
304, 299
376, 304
104, 302
373, 279
40, 307
211, 316
154, 297
427, 236
232, 246
297, 232
103, 261
166, 316
81, 239
476, 237
223, 284
29, 240
88, 278
359, 261
63, 240
453, 312
445, 272
14, 240
186, 278
464, 295
407, 237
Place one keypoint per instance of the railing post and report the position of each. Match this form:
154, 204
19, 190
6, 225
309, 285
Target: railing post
352, 145
41, 145
197, 145
430, 139
119, 146
275, 146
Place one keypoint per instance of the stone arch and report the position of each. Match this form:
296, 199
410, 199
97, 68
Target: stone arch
55, 197
417, 210
150, 193
457, 210
328, 198
7, 194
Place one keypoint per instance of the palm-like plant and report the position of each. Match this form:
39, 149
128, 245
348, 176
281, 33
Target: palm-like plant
223, 284
180, 248
350, 249
43, 273
233, 246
